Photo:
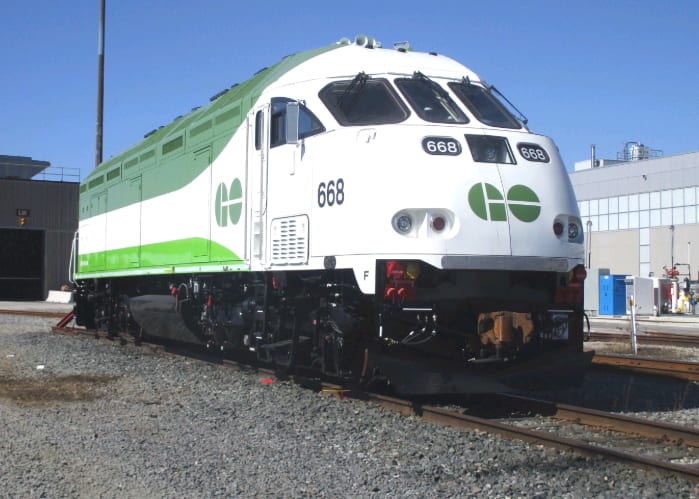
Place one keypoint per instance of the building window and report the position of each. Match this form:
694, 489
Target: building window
634, 222
643, 201
666, 216
644, 218
654, 200
634, 202
690, 214
678, 216
666, 199
677, 197
614, 205
689, 196
584, 207
623, 204
613, 221
644, 236
624, 220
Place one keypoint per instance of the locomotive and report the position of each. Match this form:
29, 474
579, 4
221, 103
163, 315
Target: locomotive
365, 213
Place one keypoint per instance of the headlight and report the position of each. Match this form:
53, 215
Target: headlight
568, 228
490, 149
573, 231
403, 223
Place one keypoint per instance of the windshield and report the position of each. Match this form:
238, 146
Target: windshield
430, 101
363, 101
484, 105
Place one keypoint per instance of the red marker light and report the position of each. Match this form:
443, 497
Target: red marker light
438, 224
395, 270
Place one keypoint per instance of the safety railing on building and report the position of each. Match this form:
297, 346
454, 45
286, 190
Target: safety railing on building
59, 174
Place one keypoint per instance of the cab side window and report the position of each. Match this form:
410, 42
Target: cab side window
309, 125
259, 117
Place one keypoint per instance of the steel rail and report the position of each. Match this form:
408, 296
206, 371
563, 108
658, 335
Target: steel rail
673, 368
649, 337
457, 420
33, 313
660, 430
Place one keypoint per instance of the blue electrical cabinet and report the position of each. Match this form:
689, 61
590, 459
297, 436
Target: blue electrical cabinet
612, 294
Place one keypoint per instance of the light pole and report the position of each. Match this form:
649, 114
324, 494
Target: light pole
100, 86
588, 243
672, 246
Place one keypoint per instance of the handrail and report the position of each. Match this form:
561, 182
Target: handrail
59, 174
72, 261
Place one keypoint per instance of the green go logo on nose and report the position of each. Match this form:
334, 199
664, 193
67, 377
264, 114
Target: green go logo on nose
229, 203
488, 203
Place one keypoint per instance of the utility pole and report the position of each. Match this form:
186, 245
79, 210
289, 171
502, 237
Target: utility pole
672, 247
100, 86
588, 243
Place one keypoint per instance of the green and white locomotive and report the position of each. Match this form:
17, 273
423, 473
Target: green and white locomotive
367, 213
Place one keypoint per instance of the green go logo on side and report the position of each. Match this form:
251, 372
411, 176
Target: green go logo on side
488, 203
229, 203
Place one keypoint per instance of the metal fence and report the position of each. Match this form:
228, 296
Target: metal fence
59, 174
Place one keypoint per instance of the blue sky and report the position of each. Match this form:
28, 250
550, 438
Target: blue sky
602, 72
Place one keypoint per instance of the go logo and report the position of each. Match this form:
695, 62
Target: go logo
229, 203
488, 203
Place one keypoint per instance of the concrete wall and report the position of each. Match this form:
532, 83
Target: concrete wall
617, 251
686, 248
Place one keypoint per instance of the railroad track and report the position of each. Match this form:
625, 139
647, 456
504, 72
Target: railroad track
649, 337
682, 440
674, 368
33, 313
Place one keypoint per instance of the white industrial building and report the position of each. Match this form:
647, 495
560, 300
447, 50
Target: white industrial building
640, 212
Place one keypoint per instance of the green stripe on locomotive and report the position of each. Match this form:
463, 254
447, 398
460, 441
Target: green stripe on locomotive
158, 255
212, 125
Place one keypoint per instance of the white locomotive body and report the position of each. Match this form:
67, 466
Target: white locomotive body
352, 209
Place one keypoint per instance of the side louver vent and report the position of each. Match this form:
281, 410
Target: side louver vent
289, 240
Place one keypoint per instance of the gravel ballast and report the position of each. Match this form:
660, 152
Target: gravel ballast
87, 418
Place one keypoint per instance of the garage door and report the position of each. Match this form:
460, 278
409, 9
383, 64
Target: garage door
22, 264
